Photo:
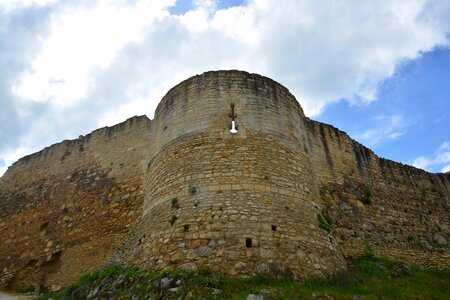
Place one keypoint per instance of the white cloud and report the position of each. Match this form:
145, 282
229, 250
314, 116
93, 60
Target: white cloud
3, 170
446, 169
422, 162
323, 51
8, 5
101, 62
387, 128
438, 162
3, 167
81, 41
9, 157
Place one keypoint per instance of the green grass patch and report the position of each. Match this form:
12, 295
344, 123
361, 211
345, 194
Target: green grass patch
100, 274
28, 289
367, 196
325, 221
368, 277
173, 219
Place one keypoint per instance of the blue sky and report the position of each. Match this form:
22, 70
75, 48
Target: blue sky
183, 6
410, 119
377, 69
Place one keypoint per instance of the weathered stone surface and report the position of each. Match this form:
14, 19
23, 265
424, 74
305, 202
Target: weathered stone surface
204, 251
255, 297
439, 239
262, 268
189, 266
164, 283
283, 194
6, 279
54, 206
93, 293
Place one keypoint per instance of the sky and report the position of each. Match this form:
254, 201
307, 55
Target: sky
377, 69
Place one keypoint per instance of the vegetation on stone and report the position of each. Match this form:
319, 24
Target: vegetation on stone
174, 203
193, 190
29, 289
367, 197
173, 219
325, 221
368, 277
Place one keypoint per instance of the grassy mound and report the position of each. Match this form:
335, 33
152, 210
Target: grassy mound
369, 277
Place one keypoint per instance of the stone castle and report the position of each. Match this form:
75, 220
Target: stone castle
230, 174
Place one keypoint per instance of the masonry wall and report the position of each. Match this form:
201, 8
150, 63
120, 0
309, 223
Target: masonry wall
182, 190
408, 218
275, 182
66, 209
255, 202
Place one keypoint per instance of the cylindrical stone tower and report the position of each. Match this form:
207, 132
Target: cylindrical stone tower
242, 202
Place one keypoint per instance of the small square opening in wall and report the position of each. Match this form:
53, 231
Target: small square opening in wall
274, 227
248, 242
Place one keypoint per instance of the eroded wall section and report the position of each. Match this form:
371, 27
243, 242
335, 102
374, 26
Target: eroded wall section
65, 210
399, 211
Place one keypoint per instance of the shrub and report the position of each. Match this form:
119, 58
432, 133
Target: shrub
410, 238
367, 266
173, 219
28, 289
67, 294
192, 190
325, 221
175, 203
367, 196
327, 217
134, 273
204, 271
368, 253
112, 270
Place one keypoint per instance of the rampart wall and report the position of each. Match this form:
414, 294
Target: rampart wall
283, 193
408, 218
66, 209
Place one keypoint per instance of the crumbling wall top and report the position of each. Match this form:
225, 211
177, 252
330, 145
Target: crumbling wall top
223, 78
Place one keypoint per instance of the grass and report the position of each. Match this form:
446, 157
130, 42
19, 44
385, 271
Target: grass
102, 273
325, 221
369, 277
28, 289
367, 196
174, 203
173, 219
